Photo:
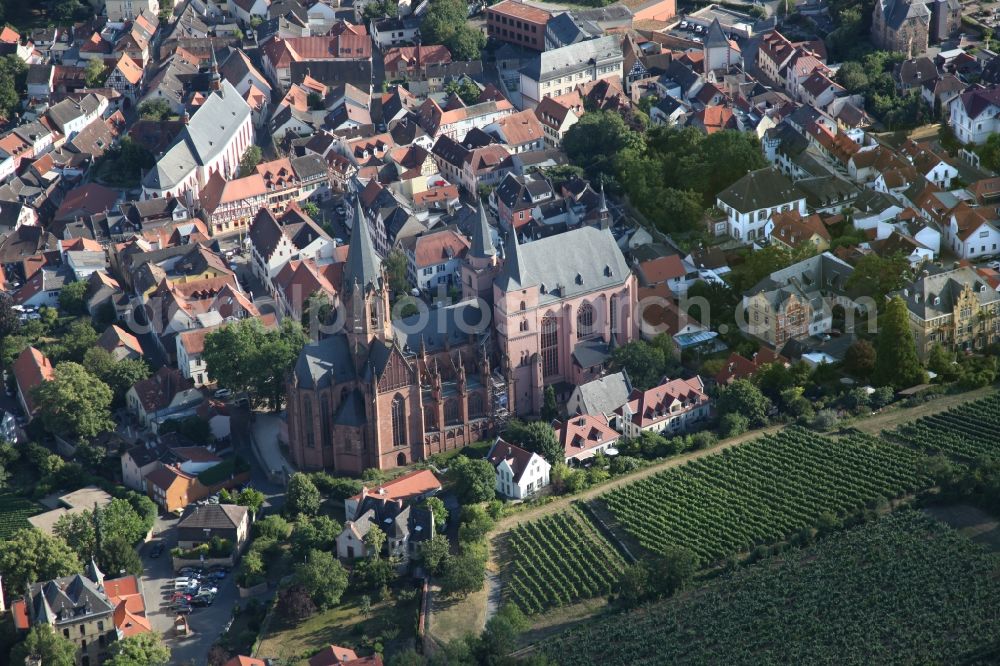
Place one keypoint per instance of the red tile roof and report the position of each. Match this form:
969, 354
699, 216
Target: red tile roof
662, 269
583, 433
520, 10
654, 405
439, 247
405, 487
31, 368
115, 336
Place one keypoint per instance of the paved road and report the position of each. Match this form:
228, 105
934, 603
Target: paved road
207, 624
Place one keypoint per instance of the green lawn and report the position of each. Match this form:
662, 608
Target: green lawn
392, 622
14, 513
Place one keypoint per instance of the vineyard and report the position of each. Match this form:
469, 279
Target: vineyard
969, 431
902, 590
762, 492
14, 513
558, 560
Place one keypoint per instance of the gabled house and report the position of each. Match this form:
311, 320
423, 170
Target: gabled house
520, 474
30, 369
675, 406
750, 202
156, 399
972, 232
225, 521
583, 437
405, 526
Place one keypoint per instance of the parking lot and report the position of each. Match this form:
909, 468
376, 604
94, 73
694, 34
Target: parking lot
206, 623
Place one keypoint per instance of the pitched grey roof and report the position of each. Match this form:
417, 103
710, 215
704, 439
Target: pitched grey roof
936, 294
558, 62
482, 238
590, 260
451, 325
716, 37
214, 516
897, 12
823, 273
67, 599
363, 266
325, 362
604, 395
763, 188
208, 131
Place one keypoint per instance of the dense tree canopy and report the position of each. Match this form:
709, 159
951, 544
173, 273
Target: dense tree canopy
646, 362
475, 479
146, 649
323, 576
302, 496
743, 398
536, 436
896, 362
42, 643
75, 403
446, 23
30, 555
247, 357
12, 74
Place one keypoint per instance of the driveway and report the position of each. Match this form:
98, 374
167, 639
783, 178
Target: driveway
206, 624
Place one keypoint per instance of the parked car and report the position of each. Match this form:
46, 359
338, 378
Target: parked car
203, 599
995, 265
179, 597
223, 393
157, 550
183, 609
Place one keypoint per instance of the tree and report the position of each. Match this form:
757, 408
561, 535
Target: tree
310, 209
733, 425
120, 376
74, 343
79, 532
12, 70
896, 362
374, 540
596, 139
434, 553
463, 574
742, 397
941, 361
438, 510
247, 357
475, 480
550, 408
251, 158
10, 322
294, 602
859, 360
273, 527
675, 568
466, 43
536, 436
825, 420
43, 645
118, 556
323, 576
318, 533
396, 269
645, 362
74, 403
852, 76
119, 519
476, 524
302, 496
465, 88
195, 428
94, 72
876, 275
445, 23
145, 649
154, 109
30, 555
251, 498
882, 396
71, 298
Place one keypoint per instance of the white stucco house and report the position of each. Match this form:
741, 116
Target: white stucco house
520, 474
750, 202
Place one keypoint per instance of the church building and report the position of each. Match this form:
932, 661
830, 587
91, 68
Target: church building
386, 393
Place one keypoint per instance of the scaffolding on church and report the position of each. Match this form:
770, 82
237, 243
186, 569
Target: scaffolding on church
498, 399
